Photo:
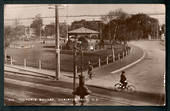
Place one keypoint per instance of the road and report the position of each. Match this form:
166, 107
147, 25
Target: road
147, 76
31, 90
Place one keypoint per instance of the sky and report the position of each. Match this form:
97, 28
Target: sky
19, 11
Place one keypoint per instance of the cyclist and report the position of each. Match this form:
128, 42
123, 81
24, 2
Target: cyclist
123, 79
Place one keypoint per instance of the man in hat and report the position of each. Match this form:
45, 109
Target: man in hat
123, 79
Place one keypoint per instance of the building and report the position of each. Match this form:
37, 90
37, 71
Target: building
86, 37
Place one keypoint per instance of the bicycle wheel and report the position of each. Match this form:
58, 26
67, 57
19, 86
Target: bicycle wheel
118, 87
131, 88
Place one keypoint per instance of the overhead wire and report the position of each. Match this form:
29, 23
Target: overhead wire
47, 17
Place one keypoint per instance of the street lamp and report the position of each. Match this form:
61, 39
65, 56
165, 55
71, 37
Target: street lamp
81, 90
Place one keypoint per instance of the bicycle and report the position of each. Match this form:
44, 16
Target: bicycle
90, 76
129, 88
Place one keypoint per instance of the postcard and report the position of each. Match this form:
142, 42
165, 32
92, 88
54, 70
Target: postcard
84, 55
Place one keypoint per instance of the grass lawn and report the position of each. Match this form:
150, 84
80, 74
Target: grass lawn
47, 56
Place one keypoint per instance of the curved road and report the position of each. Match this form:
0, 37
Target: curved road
147, 75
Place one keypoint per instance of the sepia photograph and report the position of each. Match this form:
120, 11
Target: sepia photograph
84, 55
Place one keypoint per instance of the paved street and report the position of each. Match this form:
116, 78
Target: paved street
147, 75
32, 90
150, 73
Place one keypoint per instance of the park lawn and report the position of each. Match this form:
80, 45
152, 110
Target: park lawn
48, 57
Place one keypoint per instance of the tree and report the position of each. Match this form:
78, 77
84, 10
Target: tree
19, 31
154, 32
94, 25
142, 22
12, 34
63, 29
7, 34
113, 20
117, 14
49, 29
37, 24
134, 27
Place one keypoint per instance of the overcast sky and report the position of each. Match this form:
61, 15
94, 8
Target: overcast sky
20, 11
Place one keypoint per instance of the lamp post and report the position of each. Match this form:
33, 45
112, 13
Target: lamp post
57, 43
74, 72
81, 90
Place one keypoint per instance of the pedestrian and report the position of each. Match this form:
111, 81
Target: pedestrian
90, 68
121, 56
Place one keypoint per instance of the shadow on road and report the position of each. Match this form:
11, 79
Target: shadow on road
156, 99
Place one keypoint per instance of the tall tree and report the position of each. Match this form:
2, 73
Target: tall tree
137, 26
7, 35
144, 23
12, 34
63, 29
49, 29
37, 24
116, 14
94, 25
113, 20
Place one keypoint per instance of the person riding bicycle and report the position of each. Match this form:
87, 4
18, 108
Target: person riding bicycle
90, 68
123, 79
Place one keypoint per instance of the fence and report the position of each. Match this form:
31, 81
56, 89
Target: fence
106, 60
50, 65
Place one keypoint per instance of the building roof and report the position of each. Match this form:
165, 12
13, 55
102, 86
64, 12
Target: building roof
83, 30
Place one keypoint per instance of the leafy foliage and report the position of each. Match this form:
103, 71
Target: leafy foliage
50, 29
94, 25
125, 28
117, 14
37, 24
12, 34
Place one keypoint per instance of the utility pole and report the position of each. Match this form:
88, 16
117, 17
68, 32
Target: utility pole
57, 43
66, 22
